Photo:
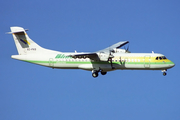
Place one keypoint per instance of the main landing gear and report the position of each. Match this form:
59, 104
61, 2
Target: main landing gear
164, 72
96, 73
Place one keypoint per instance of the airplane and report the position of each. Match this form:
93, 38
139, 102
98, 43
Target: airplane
102, 61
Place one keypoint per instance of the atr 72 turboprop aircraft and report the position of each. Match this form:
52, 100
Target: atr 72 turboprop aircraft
103, 61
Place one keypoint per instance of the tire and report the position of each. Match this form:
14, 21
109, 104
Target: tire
164, 73
103, 73
95, 74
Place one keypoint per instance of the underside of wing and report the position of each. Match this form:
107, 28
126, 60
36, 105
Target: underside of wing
85, 55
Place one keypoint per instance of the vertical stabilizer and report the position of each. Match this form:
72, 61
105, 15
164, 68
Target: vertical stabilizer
23, 43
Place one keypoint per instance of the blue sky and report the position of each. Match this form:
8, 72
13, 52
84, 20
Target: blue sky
32, 92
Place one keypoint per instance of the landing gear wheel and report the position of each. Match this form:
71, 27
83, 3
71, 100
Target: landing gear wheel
103, 73
164, 73
95, 74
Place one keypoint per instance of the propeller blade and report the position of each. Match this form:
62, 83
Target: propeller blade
127, 50
120, 61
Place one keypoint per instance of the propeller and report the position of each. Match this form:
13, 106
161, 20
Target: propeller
127, 50
120, 60
110, 57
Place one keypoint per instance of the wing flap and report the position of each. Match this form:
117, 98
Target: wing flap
84, 55
17, 30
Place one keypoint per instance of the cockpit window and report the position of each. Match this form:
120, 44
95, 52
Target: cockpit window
160, 58
164, 57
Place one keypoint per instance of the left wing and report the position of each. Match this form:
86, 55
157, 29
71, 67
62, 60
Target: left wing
115, 46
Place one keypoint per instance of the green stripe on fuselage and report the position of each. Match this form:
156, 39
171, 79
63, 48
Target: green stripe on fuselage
97, 62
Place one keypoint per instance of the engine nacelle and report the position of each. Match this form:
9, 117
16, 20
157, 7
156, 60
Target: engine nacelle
103, 56
115, 50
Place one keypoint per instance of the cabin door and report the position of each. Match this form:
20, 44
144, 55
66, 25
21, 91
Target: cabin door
147, 60
51, 62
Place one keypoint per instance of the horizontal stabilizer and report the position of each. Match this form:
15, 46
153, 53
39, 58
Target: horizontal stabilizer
17, 30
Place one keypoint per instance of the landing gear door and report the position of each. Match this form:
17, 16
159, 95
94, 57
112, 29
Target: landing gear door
147, 60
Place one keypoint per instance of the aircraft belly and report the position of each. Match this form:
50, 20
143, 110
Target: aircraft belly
160, 66
104, 67
129, 66
65, 66
90, 67
85, 66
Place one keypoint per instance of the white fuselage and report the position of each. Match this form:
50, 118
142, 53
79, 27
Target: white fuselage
133, 61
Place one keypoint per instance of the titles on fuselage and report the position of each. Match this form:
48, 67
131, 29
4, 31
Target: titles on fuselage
62, 56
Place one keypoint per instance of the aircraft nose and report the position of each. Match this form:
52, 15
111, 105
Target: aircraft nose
172, 65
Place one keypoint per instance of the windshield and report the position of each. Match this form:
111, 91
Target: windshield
160, 58
164, 57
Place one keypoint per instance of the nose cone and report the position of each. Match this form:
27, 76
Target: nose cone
171, 65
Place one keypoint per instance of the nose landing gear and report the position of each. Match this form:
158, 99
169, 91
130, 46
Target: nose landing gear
164, 72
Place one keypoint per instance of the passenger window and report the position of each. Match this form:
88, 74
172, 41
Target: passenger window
156, 58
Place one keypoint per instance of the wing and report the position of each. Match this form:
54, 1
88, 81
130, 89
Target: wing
115, 46
102, 55
84, 55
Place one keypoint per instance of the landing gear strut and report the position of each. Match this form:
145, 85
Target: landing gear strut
110, 59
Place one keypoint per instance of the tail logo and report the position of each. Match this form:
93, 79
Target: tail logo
25, 41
